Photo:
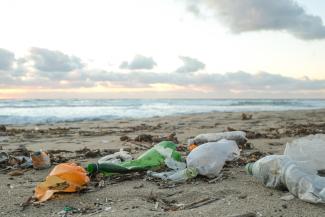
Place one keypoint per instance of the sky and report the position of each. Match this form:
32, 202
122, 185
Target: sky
162, 49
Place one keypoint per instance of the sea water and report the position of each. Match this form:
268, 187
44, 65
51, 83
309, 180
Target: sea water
57, 110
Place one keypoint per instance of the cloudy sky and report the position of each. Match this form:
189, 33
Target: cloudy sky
162, 48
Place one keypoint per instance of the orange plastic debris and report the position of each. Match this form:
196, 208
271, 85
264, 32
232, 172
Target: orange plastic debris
65, 177
41, 160
192, 147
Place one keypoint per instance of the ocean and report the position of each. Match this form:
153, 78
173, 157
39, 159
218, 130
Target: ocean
50, 111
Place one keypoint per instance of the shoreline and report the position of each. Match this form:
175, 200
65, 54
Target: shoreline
157, 117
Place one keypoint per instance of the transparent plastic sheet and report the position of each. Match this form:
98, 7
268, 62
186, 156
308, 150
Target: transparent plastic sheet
209, 158
175, 175
308, 152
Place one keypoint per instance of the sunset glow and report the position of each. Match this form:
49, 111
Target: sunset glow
132, 49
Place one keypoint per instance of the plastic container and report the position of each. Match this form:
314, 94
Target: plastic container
238, 136
176, 176
279, 171
308, 152
40, 160
209, 158
65, 177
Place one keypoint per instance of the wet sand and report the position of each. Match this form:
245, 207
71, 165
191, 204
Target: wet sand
236, 193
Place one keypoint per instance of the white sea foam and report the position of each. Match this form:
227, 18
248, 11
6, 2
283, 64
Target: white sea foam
48, 111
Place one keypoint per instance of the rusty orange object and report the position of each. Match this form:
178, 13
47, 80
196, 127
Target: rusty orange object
192, 147
65, 177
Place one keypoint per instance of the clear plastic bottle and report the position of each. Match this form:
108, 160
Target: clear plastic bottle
238, 136
277, 171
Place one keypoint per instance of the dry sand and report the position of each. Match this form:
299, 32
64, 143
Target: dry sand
238, 192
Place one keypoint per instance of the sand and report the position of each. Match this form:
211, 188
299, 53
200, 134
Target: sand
237, 194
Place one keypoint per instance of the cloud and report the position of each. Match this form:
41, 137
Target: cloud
24, 74
268, 82
255, 15
241, 81
50, 61
190, 65
41, 68
139, 62
7, 59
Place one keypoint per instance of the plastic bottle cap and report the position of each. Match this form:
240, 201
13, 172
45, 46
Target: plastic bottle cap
249, 168
191, 172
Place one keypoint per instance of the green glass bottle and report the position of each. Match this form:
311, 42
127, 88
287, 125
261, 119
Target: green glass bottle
152, 159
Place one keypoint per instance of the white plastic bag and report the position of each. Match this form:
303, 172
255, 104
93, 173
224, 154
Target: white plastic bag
308, 152
117, 157
209, 158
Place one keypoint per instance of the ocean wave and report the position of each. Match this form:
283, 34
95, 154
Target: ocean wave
52, 111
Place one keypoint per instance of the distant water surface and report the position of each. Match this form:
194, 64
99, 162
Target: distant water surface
49, 111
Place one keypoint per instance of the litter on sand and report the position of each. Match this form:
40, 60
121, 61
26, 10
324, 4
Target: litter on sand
65, 177
296, 170
206, 156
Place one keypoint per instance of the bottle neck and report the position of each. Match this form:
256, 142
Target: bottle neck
249, 168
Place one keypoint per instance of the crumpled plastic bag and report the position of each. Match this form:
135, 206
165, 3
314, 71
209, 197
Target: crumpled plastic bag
209, 158
65, 177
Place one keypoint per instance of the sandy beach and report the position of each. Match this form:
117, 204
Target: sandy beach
236, 193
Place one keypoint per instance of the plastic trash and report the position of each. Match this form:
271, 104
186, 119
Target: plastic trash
175, 164
65, 177
117, 157
4, 157
238, 136
175, 175
209, 158
15, 161
40, 160
191, 147
154, 158
279, 171
22, 162
308, 152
